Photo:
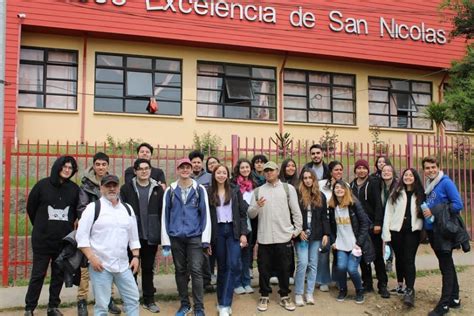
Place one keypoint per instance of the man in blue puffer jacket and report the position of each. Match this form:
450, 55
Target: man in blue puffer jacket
439, 188
186, 230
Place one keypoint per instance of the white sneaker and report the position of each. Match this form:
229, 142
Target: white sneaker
309, 299
324, 288
273, 280
299, 300
224, 311
248, 289
292, 281
239, 290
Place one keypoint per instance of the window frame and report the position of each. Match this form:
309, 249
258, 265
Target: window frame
45, 63
222, 92
409, 114
331, 85
124, 83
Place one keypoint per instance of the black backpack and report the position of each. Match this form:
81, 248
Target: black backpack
97, 209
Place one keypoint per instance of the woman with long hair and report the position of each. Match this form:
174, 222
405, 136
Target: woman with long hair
323, 277
288, 172
402, 226
388, 182
211, 163
380, 162
316, 231
229, 221
350, 225
243, 179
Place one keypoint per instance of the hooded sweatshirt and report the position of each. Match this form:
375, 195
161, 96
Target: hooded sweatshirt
52, 208
90, 190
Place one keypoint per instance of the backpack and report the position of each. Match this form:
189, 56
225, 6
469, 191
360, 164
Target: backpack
172, 196
97, 209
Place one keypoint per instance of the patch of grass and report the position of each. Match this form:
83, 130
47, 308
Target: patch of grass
22, 220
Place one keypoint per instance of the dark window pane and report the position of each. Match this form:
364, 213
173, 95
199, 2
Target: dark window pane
32, 54
136, 62
239, 71
169, 108
400, 85
139, 84
30, 100
209, 82
31, 77
168, 65
112, 75
263, 114
136, 106
60, 87
109, 60
60, 102
403, 101
343, 80
209, 110
108, 89
237, 112
263, 86
168, 94
239, 89
62, 72
263, 73
108, 105
168, 79
62, 56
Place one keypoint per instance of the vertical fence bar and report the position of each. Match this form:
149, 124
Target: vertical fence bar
409, 151
471, 189
16, 210
235, 149
6, 211
27, 190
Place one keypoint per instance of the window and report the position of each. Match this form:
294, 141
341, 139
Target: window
398, 103
125, 84
319, 97
48, 79
236, 91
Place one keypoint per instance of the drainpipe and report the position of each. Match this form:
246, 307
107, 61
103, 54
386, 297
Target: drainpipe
84, 84
3, 17
440, 96
280, 94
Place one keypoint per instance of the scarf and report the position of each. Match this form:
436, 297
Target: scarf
245, 185
431, 184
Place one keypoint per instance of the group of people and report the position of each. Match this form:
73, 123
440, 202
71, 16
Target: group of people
213, 215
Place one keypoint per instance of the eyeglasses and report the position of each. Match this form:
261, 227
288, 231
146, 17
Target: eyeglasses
143, 169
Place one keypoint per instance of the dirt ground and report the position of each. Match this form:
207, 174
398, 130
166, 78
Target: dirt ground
428, 289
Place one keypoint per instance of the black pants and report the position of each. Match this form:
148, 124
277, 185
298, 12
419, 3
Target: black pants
450, 289
206, 269
147, 262
274, 257
187, 259
405, 244
38, 272
379, 265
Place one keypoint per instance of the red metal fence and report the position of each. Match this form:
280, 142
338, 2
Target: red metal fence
26, 163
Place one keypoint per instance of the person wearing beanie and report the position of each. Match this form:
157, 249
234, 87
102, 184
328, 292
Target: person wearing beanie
367, 191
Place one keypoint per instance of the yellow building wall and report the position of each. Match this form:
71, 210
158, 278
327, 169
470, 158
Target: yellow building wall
64, 126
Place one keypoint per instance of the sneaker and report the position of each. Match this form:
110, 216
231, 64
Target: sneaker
368, 288
114, 309
399, 290
199, 312
409, 298
292, 281
224, 311
263, 303
360, 296
324, 288
82, 308
273, 280
287, 304
341, 296
309, 299
455, 303
439, 310
299, 300
248, 289
384, 293
54, 311
239, 290
152, 307
184, 310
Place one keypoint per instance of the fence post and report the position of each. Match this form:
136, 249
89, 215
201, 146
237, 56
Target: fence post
6, 211
235, 149
409, 150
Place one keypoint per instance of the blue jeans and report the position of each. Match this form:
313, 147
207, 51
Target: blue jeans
228, 263
323, 276
307, 262
348, 263
102, 287
243, 278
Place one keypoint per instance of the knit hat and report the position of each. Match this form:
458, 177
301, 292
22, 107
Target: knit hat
363, 163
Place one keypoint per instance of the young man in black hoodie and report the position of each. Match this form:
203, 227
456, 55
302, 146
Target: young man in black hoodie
317, 164
52, 209
145, 196
367, 191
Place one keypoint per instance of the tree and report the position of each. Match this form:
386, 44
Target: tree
463, 20
438, 113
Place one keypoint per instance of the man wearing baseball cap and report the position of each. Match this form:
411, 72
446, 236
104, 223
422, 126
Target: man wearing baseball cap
104, 241
279, 220
186, 231
367, 191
